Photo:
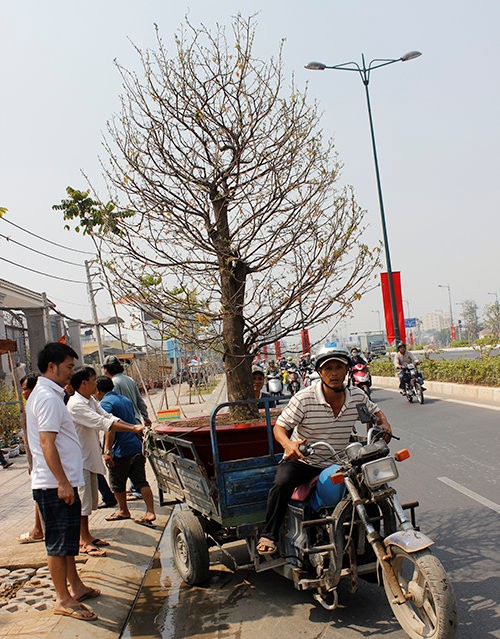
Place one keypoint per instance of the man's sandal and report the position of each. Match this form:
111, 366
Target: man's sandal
266, 546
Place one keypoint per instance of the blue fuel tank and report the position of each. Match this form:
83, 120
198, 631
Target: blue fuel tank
326, 494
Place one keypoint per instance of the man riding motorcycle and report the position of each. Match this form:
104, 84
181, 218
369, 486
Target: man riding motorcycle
325, 411
401, 360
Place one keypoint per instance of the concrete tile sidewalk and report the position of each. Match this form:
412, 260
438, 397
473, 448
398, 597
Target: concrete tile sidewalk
118, 575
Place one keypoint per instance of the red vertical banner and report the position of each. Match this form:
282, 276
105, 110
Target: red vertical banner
264, 351
386, 297
412, 341
306, 344
277, 349
453, 330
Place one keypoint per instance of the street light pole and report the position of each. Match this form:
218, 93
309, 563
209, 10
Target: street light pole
364, 73
449, 300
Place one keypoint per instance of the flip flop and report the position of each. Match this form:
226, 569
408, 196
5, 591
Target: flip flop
99, 542
92, 551
145, 522
90, 594
266, 546
77, 613
26, 538
116, 517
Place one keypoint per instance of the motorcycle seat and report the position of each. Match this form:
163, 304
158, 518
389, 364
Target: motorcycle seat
302, 492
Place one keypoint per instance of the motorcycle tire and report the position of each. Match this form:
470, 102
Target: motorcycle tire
419, 392
189, 548
409, 394
367, 390
431, 611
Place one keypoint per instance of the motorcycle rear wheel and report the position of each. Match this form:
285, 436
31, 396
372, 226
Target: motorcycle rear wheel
431, 613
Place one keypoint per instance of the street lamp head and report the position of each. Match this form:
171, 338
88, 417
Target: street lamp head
411, 55
315, 66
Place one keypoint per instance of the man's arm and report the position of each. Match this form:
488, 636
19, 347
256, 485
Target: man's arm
291, 417
291, 448
109, 440
90, 416
121, 426
64, 489
143, 409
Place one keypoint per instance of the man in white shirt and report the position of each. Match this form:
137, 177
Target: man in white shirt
90, 418
56, 475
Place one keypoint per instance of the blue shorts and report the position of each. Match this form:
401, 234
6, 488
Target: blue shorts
61, 522
132, 467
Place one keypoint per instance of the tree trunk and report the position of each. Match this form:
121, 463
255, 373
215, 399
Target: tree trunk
237, 362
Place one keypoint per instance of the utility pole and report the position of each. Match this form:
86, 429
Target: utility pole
93, 307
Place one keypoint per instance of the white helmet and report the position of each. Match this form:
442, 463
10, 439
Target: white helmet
326, 354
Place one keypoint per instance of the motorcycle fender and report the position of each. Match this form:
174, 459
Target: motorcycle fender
408, 540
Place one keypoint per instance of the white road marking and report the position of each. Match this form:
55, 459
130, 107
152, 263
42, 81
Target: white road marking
447, 399
470, 493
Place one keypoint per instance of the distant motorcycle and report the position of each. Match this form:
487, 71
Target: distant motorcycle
360, 377
293, 384
413, 384
274, 384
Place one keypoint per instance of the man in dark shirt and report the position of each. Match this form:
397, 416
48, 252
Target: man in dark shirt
123, 455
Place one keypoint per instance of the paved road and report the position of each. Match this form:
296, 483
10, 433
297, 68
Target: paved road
453, 451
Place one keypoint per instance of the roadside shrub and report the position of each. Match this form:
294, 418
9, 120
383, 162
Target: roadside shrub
9, 416
479, 372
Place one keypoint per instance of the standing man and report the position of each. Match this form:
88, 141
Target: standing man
125, 385
123, 455
57, 473
89, 419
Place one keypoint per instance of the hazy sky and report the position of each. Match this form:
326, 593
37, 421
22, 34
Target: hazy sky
436, 125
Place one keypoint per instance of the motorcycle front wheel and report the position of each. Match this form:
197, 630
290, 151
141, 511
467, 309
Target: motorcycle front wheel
419, 392
430, 612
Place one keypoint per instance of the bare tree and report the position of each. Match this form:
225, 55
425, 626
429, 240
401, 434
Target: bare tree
491, 316
471, 320
230, 191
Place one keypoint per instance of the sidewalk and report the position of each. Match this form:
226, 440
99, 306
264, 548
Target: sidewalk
119, 575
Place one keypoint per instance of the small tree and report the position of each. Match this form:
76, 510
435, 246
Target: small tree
470, 319
229, 188
491, 318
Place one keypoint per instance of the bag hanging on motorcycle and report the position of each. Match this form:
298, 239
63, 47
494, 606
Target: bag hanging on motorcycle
327, 494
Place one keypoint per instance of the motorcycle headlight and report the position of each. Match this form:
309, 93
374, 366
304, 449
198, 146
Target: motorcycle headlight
379, 471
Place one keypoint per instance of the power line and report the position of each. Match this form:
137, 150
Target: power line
68, 248
52, 257
55, 277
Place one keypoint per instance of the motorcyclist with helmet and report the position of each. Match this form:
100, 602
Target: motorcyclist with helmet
402, 358
325, 411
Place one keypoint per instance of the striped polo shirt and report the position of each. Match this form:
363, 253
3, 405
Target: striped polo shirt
309, 416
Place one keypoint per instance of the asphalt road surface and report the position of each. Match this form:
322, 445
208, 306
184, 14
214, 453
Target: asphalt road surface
453, 472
